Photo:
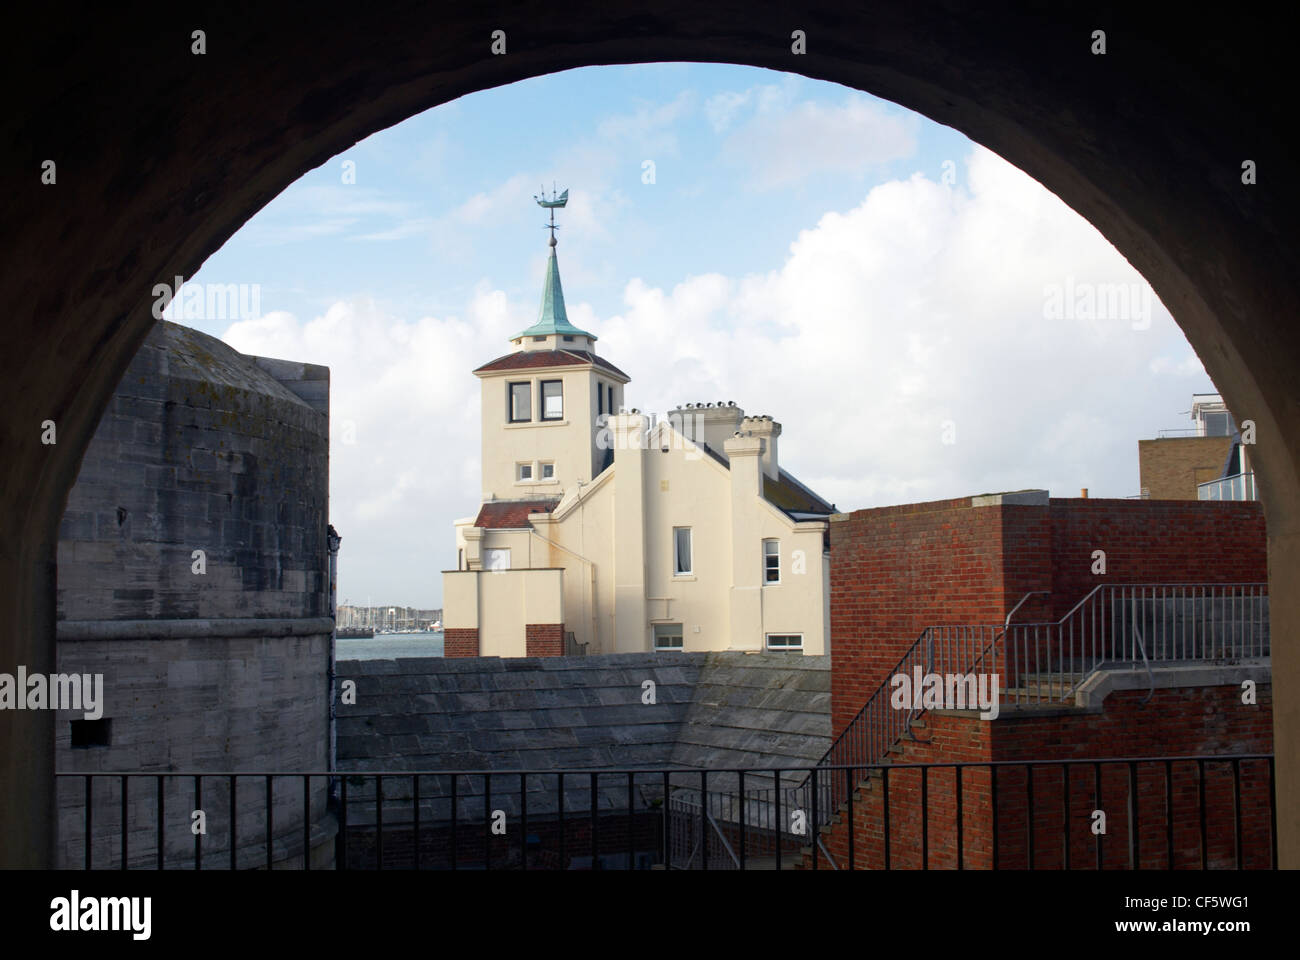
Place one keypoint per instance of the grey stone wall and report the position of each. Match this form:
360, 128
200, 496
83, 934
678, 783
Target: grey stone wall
201, 448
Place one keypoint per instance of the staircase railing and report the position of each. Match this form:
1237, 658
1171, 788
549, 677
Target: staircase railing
1134, 626
1048, 662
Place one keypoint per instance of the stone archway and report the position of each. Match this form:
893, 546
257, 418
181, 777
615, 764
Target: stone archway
161, 154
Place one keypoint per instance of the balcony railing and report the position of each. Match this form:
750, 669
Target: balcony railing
1200, 812
1240, 486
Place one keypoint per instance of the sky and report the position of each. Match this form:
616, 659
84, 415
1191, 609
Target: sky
924, 320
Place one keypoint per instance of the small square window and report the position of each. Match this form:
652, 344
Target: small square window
548, 471
523, 471
552, 400
91, 733
682, 551
771, 561
785, 641
668, 636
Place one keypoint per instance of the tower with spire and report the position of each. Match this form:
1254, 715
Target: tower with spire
545, 402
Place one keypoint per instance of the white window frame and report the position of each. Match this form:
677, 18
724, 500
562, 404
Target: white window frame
679, 635
542, 467
767, 642
766, 556
520, 467
677, 559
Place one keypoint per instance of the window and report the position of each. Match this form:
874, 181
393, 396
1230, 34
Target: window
552, 400
668, 636
96, 733
539, 339
609, 403
681, 551
523, 471
460, 559
568, 339
1218, 425
600, 398
496, 558
548, 471
785, 641
520, 402
771, 561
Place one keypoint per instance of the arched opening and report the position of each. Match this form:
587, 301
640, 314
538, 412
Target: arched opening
148, 189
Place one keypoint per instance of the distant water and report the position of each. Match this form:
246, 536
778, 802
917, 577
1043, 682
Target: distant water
391, 646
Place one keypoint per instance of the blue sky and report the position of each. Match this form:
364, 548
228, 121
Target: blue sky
874, 281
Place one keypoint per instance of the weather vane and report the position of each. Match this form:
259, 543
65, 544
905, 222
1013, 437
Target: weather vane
552, 204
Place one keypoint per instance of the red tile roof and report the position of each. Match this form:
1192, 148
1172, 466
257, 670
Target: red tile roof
528, 359
511, 515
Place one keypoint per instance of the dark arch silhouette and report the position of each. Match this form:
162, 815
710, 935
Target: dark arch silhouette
162, 154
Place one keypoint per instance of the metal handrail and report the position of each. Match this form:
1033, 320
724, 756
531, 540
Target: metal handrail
867, 743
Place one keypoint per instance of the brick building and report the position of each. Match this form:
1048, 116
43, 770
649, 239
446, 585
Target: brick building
1118, 629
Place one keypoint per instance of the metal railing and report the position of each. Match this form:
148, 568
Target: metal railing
1204, 812
1112, 626
1240, 486
1125, 626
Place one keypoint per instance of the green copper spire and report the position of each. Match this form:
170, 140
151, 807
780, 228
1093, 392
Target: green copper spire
552, 319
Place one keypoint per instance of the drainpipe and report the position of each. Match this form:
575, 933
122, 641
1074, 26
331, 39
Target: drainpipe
333, 540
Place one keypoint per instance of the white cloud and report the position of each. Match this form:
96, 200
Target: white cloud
922, 305
785, 140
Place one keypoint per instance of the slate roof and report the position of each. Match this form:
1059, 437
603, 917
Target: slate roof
786, 494
486, 713
512, 514
791, 496
530, 359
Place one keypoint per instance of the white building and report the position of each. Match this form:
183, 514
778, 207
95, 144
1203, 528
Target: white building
603, 531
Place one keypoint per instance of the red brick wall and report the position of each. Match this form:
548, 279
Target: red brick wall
1154, 541
460, 642
544, 640
1176, 722
897, 570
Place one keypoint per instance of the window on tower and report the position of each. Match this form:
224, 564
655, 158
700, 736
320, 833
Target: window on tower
552, 400
520, 401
